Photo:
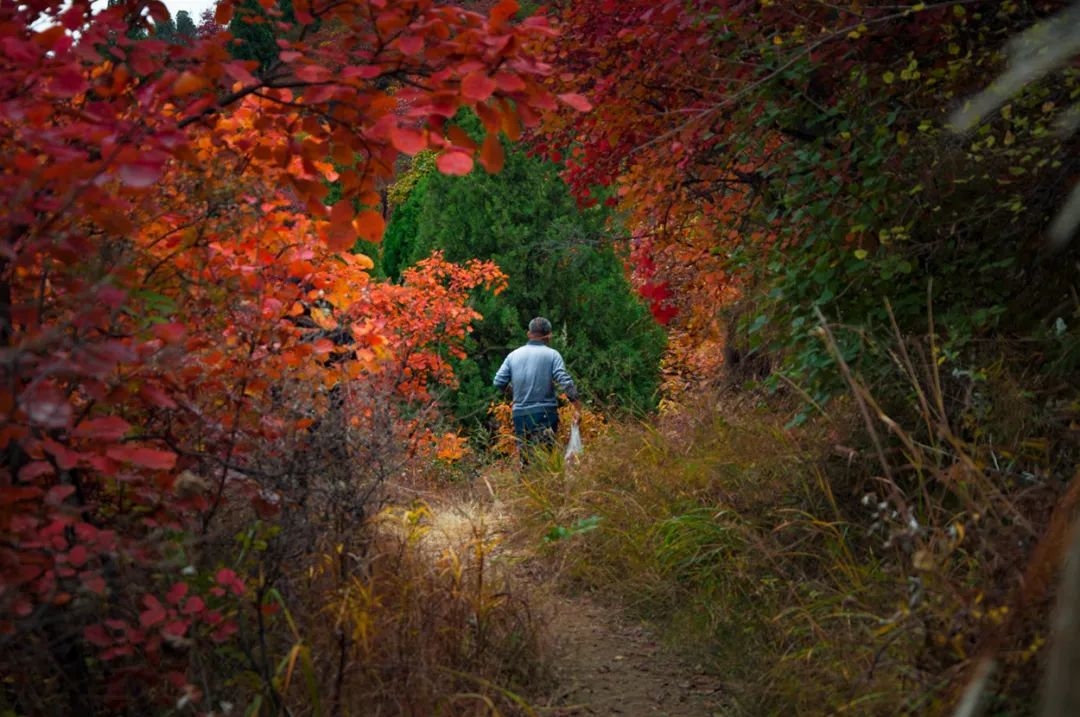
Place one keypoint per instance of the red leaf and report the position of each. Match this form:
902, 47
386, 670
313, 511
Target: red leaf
576, 101
97, 635
229, 579
66, 459
313, 73
118, 651
407, 140
176, 593
363, 72
154, 613
37, 469
508, 82
58, 493
158, 11
143, 457
411, 44
225, 576
68, 82
477, 86
93, 582
141, 175
156, 396
176, 628
194, 605
15, 494
170, 333
454, 162
105, 428
77, 556
223, 632
237, 69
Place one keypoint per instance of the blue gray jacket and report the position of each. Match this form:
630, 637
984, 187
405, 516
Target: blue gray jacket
532, 371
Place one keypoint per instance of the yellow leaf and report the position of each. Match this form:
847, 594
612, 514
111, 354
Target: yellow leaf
888, 77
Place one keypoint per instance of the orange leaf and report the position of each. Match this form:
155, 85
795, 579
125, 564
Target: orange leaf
340, 237
460, 138
503, 12
491, 154
370, 225
223, 13
341, 213
510, 124
187, 83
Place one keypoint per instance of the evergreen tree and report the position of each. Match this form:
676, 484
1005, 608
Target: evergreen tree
165, 30
185, 27
256, 30
560, 265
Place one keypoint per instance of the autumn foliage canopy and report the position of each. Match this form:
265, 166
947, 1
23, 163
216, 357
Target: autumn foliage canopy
171, 281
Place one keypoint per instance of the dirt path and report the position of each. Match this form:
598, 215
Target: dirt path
606, 665
602, 663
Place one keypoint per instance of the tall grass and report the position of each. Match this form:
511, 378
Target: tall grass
870, 563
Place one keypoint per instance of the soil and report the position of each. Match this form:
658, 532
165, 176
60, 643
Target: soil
601, 662
605, 664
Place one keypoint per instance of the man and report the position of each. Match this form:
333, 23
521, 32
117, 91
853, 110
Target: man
529, 375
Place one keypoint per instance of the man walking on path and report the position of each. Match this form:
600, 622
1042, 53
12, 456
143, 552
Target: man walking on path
529, 375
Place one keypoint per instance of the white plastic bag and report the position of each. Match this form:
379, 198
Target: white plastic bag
574, 446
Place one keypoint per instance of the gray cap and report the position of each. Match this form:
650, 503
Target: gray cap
539, 326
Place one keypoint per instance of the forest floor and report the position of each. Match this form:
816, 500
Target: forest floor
601, 661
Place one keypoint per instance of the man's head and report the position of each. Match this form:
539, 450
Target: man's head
540, 328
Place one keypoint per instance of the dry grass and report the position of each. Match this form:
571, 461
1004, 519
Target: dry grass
866, 564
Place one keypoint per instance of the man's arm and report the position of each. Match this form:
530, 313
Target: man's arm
562, 377
503, 378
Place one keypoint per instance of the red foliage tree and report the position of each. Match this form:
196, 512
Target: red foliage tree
166, 231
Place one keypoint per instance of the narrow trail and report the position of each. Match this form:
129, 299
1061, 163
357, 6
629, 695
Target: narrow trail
606, 665
602, 662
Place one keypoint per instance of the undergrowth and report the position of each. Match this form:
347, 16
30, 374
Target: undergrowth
870, 562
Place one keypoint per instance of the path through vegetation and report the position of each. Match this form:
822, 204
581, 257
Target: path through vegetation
601, 661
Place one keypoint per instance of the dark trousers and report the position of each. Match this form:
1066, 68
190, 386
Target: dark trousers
535, 430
